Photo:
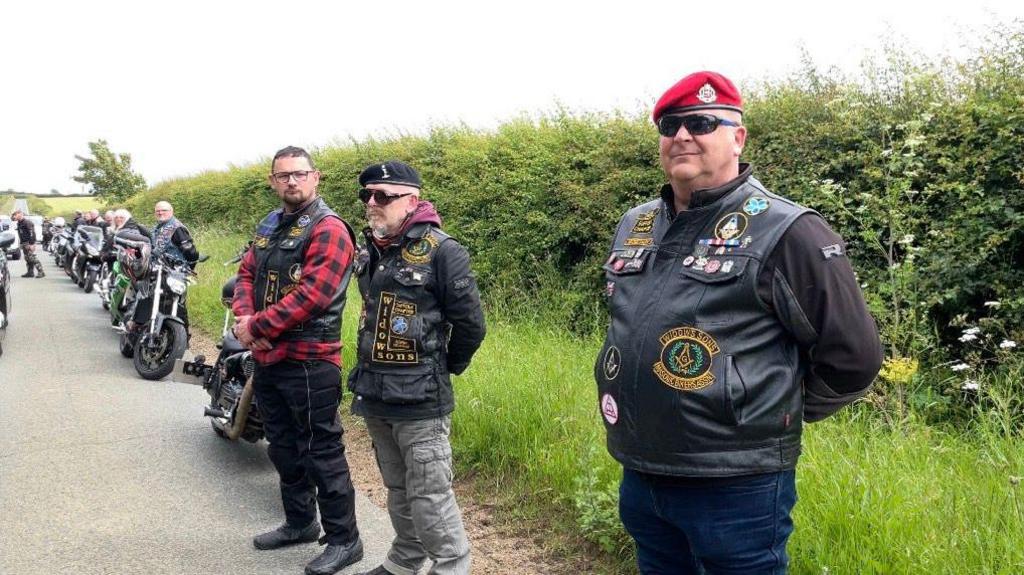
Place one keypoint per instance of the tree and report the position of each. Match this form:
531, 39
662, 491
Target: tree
109, 174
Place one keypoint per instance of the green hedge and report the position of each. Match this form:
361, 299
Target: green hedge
919, 167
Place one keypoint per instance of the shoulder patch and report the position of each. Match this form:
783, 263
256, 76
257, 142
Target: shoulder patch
462, 283
420, 251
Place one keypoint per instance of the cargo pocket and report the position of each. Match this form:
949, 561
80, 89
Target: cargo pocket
432, 469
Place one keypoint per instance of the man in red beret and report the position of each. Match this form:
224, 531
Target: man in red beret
735, 317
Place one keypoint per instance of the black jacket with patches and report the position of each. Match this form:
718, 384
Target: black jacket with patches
421, 321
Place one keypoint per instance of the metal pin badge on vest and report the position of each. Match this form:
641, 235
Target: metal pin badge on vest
304, 220
295, 272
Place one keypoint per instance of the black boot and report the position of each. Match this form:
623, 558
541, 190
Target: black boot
28, 274
335, 558
287, 535
40, 274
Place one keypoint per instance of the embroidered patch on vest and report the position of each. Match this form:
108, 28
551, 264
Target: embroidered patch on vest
294, 232
611, 363
730, 226
609, 409
270, 295
644, 223
462, 283
635, 242
261, 241
755, 205
686, 355
304, 221
419, 251
387, 346
295, 272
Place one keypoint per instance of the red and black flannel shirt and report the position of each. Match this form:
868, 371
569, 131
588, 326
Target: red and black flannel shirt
328, 256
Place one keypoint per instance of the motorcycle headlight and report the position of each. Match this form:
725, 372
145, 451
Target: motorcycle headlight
92, 251
177, 284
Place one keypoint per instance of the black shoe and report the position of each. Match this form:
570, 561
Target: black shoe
335, 558
41, 275
28, 275
286, 535
378, 570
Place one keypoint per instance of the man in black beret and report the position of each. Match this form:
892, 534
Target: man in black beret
421, 322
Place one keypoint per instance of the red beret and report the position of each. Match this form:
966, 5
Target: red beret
699, 91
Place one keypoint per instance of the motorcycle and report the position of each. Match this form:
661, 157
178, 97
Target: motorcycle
131, 264
62, 252
232, 411
6, 241
86, 265
158, 330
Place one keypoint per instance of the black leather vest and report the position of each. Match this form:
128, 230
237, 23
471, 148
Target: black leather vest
697, 377
280, 247
401, 328
403, 336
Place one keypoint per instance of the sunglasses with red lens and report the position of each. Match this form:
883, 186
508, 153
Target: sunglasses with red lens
695, 124
380, 197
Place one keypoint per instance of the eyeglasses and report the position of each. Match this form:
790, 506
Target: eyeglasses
283, 177
381, 197
695, 124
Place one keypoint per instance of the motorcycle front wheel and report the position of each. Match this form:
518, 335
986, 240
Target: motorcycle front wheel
154, 358
90, 281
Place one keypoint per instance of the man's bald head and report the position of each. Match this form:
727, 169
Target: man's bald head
164, 211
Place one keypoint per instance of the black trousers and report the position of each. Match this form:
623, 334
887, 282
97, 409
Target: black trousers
299, 404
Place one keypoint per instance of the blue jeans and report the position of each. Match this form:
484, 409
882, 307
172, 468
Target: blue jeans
736, 525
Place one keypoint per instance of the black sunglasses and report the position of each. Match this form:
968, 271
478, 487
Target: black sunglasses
381, 197
695, 124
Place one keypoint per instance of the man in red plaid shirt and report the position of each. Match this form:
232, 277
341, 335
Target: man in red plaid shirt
288, 303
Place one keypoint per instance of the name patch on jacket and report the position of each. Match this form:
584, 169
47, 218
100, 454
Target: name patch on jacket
685, 362
644, 223
420, 251
393, 317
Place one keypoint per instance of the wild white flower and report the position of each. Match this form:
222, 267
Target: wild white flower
970, 385
960, 367
972, 331
1007, 344
968, 337
907, 239
864, 285
994, 303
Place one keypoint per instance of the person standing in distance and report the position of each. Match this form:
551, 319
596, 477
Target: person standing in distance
421, 322
288, 305
27, 237
735, 317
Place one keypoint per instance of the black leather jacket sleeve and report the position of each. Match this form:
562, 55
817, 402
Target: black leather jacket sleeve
183, 239
460, 302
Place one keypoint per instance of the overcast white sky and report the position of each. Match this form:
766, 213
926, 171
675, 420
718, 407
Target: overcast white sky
186, 86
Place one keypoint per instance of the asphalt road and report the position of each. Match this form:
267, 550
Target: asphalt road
104, 472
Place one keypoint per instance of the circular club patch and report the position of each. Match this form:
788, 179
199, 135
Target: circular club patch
304, 221
609, 409
295, 272
685, 361
612, 363
731, 225
418, 252
399, 324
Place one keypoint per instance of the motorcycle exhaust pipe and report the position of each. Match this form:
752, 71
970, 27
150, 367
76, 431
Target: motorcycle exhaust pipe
242, 411
214, 412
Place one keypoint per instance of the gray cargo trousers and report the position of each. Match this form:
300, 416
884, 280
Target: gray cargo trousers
415, 461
